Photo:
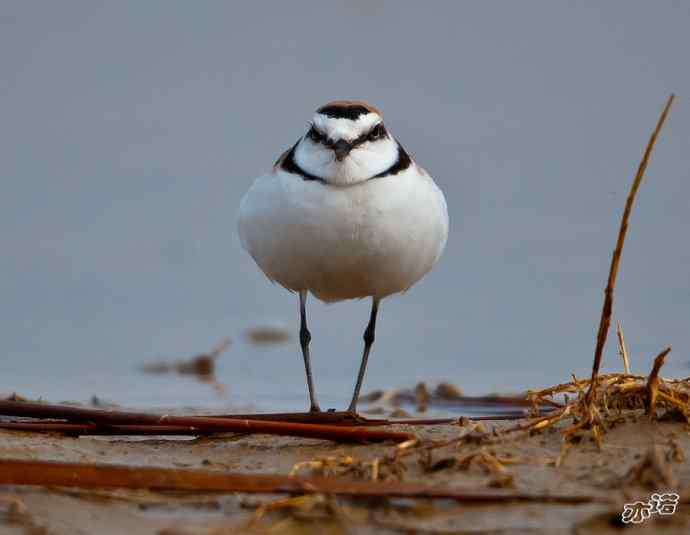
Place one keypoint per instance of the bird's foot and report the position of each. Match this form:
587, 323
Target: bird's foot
314, 408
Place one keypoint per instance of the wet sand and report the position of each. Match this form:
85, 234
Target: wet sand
616, 474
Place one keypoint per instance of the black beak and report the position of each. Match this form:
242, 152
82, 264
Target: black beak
341, 148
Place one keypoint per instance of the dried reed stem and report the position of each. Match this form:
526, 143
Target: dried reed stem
606, 310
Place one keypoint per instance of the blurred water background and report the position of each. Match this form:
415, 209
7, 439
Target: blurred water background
130, 130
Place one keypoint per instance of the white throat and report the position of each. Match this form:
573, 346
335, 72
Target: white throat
364, 161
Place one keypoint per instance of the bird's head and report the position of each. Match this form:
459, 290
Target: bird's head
346, 143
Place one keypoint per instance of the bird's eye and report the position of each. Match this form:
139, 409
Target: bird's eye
315, 135
377, 132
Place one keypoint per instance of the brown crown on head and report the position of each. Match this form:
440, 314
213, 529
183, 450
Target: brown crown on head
347, 109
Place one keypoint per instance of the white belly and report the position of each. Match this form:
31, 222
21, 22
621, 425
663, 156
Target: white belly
374, 238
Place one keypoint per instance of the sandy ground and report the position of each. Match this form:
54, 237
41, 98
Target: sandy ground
527, 464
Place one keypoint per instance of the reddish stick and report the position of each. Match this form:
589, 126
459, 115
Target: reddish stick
86, 429
43, 473
77, 414
95, 430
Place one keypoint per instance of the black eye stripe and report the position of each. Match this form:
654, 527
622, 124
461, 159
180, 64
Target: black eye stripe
318, 137
314, 134
378, 132
361, 139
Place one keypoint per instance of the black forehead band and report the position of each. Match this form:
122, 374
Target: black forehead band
343, 112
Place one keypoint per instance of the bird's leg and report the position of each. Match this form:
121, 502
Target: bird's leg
304, 339
369, 336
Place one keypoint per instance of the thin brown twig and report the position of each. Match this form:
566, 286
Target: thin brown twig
46, 473
86, 429
345, 418
615, 259
79, 421
201, 423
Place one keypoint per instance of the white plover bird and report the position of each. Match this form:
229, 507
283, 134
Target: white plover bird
344, 214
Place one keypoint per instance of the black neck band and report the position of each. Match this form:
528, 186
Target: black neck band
290, 165
403, 162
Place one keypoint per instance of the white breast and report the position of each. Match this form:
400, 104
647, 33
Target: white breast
374, 238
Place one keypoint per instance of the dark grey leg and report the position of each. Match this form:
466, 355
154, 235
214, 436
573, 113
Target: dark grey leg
304, 339
369, 337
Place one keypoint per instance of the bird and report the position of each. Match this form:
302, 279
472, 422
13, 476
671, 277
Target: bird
345, 213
